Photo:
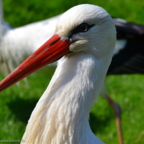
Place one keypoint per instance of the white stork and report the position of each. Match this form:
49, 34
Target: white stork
85, 36
18, 43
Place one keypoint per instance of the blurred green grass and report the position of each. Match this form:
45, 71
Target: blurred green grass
17, 102
19, 13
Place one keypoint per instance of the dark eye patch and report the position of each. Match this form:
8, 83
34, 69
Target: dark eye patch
84, 27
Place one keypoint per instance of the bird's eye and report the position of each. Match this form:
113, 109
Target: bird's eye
83, 27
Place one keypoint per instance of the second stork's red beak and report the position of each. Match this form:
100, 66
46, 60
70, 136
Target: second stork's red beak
49, 52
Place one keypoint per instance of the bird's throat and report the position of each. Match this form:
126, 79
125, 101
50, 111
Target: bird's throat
61, 114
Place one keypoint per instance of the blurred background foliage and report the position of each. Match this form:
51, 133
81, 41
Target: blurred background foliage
20, 12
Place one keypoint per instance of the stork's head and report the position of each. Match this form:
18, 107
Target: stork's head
84, 27
89, 28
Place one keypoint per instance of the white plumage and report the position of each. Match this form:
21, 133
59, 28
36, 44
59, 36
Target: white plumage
16, 44
61, 115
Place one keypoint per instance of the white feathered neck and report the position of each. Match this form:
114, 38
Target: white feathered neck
61, 115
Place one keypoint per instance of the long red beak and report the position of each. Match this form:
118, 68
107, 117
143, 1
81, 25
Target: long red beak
49, 52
